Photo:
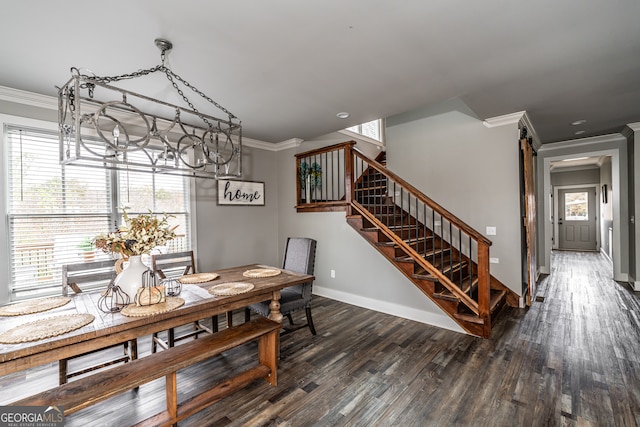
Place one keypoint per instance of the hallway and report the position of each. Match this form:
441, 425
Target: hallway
585, 334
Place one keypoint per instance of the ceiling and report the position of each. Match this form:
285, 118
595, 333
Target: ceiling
286, 67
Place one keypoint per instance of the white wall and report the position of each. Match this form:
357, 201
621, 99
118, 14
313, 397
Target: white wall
470, 170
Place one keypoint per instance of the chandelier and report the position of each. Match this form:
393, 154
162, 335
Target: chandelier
104, 126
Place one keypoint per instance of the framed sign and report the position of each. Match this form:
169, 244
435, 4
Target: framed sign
232, 192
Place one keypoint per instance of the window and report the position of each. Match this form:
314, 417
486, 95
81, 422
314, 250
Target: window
576, 206
54, 210
372, 129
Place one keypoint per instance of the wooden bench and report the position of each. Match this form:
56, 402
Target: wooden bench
89, 390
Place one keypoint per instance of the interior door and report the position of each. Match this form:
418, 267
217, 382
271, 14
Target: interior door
577, 219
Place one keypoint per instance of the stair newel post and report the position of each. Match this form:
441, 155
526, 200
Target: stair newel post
484, 292
348, 177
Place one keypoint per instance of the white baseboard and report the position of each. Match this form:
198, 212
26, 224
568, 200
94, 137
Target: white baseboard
606, 255
430, 318
635, 285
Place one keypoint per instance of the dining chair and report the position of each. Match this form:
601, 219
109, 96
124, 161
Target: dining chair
85, 276
299, 257
174, 265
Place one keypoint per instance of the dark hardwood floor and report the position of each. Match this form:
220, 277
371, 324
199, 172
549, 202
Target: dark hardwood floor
572, 359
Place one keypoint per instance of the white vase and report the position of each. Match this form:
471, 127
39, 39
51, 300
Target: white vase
130, 279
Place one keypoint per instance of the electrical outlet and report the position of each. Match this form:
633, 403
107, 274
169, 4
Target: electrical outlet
494, 260
333, 274
491, 231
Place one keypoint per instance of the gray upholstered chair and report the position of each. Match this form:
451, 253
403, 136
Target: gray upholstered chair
299, 257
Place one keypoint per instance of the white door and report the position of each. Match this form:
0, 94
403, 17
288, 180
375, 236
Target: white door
577, 219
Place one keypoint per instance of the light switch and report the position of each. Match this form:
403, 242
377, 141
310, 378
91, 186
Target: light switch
494, 260
491, 231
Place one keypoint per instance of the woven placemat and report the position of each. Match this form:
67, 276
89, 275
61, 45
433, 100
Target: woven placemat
231, 288
261, 272
198, 278
149, 310
33, 306
45, 328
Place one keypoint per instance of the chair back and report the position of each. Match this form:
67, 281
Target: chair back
300, 257
87, 275
174, 264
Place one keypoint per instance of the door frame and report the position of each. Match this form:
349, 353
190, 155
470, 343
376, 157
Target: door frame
614, 145
556, 191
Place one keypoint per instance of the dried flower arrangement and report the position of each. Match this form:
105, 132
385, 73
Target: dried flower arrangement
138, 235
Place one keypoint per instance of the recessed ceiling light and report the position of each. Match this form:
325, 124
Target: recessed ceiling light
580, 132
579, 122
343, 115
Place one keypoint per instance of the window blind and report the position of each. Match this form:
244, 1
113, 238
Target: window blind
53, 210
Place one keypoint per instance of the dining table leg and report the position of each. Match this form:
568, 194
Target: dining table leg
274, 307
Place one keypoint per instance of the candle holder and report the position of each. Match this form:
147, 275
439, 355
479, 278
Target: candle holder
150, 293
172, 287
113, 299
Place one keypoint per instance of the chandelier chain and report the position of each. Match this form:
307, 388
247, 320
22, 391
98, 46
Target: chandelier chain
170, 76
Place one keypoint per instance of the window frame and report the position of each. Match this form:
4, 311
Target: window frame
365, 138
7, 121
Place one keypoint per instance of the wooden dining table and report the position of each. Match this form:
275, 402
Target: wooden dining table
112, 328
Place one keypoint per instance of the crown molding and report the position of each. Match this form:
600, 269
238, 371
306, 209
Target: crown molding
515, 119
634, 126
280, 146
612, 137
256, 143
289, 143
531, 131
28, 98
507, 119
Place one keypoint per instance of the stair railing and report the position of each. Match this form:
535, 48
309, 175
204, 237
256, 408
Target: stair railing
324, 177
457, 251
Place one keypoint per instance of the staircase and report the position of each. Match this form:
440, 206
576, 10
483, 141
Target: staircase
445, 258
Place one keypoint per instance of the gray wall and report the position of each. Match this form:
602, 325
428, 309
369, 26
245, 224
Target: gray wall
585, 176
237, 235
470, 170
